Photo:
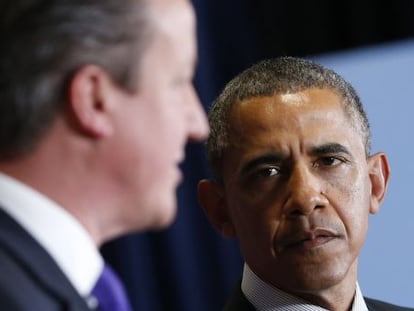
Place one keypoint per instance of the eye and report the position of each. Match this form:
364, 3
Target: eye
329, 161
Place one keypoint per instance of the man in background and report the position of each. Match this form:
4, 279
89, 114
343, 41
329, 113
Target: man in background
96, 106
295, 181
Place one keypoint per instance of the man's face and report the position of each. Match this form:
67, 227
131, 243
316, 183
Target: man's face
160, 117
297, 187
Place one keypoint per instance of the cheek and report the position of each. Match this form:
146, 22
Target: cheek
256, 222
256, 235
142, 151
159, 126
349, 185
352, 201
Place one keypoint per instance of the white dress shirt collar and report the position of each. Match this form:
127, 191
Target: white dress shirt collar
265, 297
60, 234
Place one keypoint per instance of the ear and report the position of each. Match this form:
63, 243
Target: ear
212, 200
379, 174
88, 101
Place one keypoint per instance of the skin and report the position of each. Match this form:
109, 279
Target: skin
297, 190
171, 115
112, 158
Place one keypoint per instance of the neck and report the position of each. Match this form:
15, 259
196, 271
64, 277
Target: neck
76, 183
338, 297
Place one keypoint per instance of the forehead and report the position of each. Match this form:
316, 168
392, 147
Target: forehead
171, 52
311, 116
174, 28
172, 17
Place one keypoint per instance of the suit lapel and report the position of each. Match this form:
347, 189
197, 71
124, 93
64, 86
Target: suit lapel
39, 264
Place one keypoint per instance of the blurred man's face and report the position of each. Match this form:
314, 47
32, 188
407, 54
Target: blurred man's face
160, 117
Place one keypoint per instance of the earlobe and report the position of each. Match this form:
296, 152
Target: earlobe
88, 102
212, 201
379, 173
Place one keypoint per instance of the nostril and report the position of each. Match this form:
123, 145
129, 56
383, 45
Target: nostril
296, 213
294, 208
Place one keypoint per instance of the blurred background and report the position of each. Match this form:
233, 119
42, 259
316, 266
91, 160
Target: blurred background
190, 267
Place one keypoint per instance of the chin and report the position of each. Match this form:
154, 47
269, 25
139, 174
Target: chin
166, 215
320, 281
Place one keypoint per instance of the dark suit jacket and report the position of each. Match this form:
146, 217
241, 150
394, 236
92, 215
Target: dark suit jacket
239, 302
30, 280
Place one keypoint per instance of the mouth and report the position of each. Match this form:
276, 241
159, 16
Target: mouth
307, 240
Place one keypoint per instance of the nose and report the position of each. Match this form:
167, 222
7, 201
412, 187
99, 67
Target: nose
304, 192
197, 119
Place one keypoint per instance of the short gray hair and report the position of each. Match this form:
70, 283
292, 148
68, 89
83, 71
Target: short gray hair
44, 42
278, 76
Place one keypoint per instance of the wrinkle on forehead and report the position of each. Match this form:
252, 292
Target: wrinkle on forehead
301, 112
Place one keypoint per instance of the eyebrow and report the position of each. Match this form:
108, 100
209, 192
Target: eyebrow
330, 148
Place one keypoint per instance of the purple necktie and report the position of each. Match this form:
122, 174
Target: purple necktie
110, 292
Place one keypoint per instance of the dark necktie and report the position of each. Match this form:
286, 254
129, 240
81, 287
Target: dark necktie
110, 292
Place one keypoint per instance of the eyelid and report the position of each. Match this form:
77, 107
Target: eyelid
266, 160
340, 159
263, 171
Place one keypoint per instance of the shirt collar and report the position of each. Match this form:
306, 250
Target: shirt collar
265, 297
57, 231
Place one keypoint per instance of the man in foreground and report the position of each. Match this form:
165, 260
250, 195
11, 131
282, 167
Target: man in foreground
97, 104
